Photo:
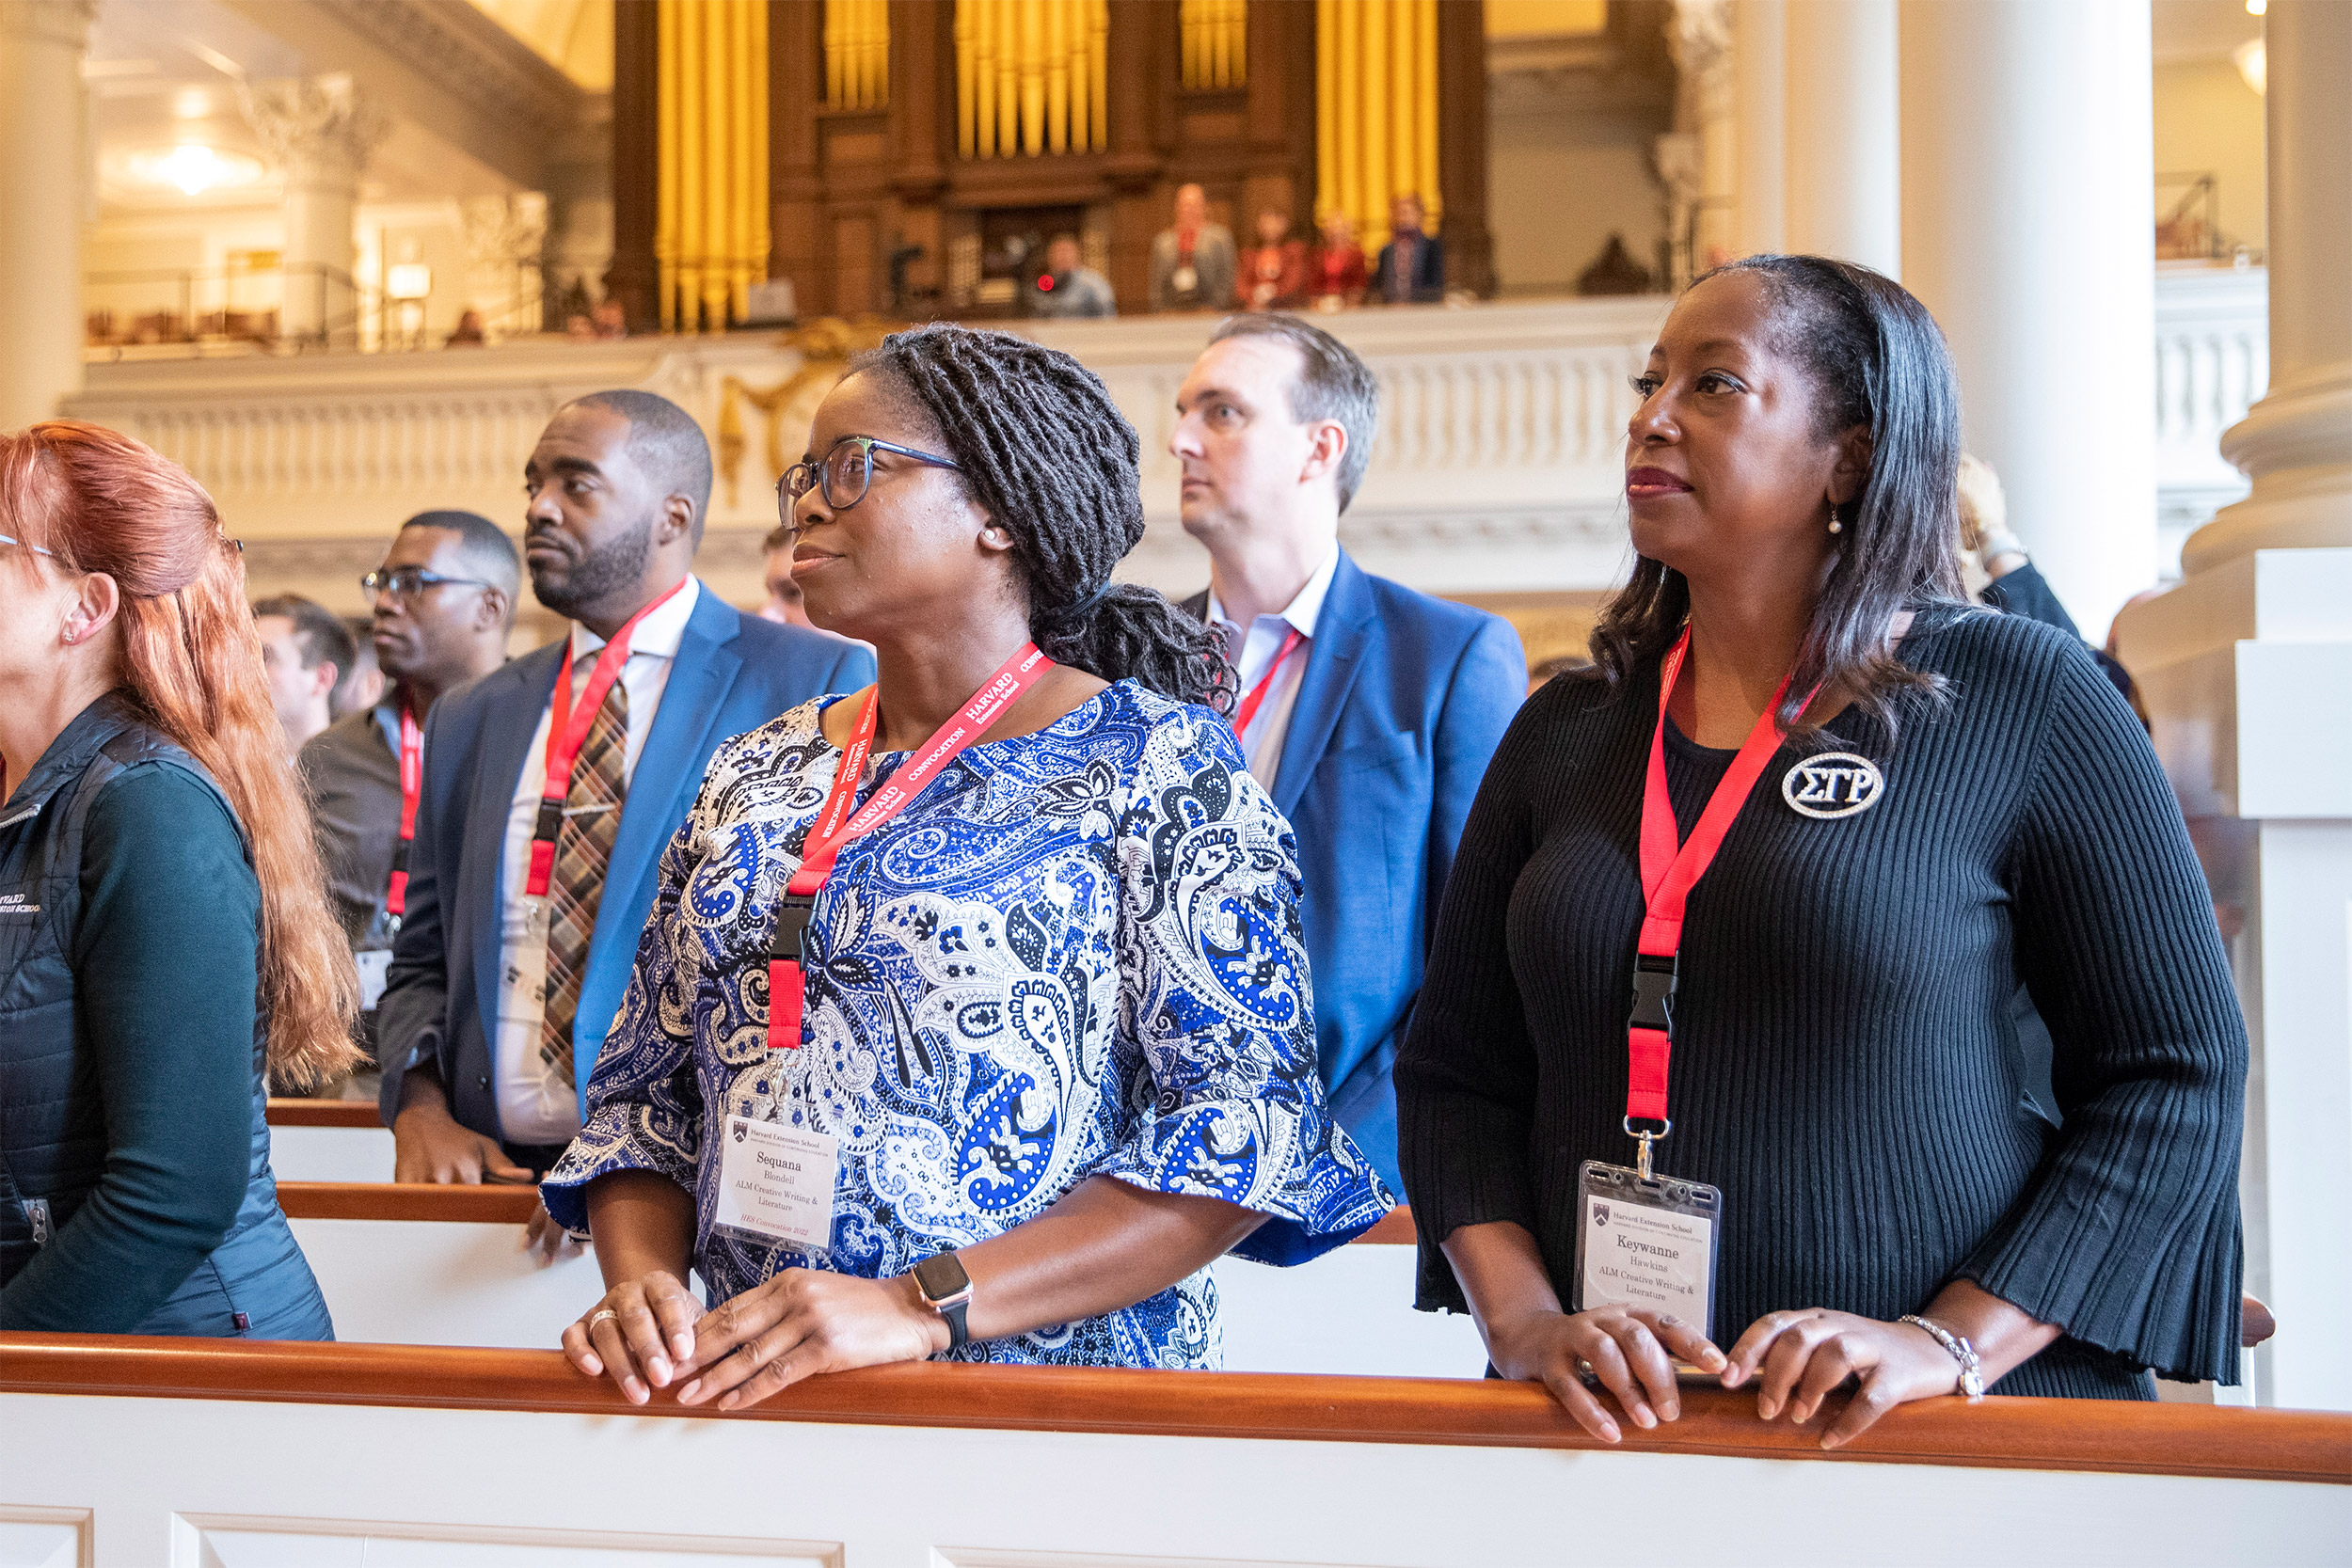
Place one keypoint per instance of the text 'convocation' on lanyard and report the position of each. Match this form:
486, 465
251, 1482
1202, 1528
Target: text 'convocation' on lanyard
1669, 870
411, 786
567, 731
788, 937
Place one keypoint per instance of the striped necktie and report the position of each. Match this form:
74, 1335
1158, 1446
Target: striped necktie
583, 849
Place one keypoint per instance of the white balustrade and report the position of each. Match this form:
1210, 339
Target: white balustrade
1497, 468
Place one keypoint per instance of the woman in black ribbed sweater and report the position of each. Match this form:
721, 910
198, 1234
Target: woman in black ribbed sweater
1844, 1066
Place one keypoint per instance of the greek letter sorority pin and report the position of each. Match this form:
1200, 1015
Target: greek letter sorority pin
1833, 785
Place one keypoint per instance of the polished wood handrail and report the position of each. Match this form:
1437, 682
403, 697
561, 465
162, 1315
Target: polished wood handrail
493, 1205
2006, 1433
324, 1113
407, 1201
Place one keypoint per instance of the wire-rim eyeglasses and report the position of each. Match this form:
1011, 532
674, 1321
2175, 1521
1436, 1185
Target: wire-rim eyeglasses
843, 473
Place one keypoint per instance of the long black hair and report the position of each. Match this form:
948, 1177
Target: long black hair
1056, 464
1877, 360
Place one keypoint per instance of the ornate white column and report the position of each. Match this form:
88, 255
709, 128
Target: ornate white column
1842, 170
42, 204
2246, 666
321, 131
1759, 56
2028, 228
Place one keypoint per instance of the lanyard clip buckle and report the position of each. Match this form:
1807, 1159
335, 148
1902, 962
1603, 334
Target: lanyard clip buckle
788, 937
551, 824
1653, 994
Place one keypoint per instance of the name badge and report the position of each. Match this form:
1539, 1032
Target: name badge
1646, 1242
776, 1183
373, 968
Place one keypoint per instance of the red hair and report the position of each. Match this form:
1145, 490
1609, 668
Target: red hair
191, 663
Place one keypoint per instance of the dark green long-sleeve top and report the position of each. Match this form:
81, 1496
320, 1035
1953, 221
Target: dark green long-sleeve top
165, 961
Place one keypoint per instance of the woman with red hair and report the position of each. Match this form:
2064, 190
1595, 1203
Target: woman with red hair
164, 944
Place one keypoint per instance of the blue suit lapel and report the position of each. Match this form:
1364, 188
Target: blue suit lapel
514, 718
1332, 661
669, 771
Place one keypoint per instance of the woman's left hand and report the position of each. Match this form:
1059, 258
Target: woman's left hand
802, 1321
1797, 1358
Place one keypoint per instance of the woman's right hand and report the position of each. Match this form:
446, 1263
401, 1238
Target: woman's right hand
1631, 1350
641, 1334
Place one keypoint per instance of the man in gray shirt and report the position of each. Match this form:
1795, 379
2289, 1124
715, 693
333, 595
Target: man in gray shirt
1192, 263
1068, 288
444, 601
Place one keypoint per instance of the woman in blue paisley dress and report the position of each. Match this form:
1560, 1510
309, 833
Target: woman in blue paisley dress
1057, 1020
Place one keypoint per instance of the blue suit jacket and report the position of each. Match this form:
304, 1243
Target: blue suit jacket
732, 673
1405, 700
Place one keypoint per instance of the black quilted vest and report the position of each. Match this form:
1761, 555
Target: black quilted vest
53, 1133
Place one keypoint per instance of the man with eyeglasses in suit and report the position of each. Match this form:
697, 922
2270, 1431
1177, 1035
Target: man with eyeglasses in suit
443, 603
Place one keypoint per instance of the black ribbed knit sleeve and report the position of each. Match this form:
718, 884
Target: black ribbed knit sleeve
1463, 1126
2128, 1234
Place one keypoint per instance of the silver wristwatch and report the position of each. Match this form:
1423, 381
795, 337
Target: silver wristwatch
1971, 1374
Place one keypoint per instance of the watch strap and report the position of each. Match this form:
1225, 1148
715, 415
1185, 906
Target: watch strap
953, 1311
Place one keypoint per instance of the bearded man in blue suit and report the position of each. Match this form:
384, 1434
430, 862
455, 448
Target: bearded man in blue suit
1367, 710
533, 871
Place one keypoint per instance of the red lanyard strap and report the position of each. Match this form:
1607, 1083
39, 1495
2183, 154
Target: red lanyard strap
1257, 694
1669, 870
567, 731
411, 785
788, 936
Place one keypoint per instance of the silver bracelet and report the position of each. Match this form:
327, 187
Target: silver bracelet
1971, 1374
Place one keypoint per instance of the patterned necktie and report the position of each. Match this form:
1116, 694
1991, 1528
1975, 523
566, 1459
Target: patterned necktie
583, 847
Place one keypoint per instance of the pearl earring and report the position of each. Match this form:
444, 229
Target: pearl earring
1835, 526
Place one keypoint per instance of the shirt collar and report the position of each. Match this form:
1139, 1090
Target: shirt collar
1306, 607
657, 634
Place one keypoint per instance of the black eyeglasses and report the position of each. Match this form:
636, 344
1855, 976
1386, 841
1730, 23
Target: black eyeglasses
844, 474
406, 583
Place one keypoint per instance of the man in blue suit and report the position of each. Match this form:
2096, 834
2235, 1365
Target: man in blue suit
531, 872
1368, 711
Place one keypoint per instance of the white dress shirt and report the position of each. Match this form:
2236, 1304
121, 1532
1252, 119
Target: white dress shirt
535, 1105
1262, 742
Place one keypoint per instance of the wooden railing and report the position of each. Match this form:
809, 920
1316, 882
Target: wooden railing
324, 1113
2006, 1433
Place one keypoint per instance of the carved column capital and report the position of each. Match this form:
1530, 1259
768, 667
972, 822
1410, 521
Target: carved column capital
321, 123
65, 22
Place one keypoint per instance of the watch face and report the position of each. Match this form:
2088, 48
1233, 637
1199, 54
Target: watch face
942, 1276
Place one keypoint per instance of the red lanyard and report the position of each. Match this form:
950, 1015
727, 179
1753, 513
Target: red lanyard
567, 731
1669, 870
411, 785
1257, 694
787, 938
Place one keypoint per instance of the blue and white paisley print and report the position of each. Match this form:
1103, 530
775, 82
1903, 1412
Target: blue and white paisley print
1077, 954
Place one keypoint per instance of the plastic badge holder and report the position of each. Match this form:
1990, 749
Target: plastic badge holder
1645, 1230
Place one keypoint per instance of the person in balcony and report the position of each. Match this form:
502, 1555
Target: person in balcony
1336, 277
1274, 274
1068, 288
1411, 269
1789, 1006
972, 1018
164, 948
1192, 261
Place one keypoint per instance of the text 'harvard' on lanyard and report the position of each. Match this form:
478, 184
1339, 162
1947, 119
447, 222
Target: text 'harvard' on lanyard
1669, 871
411, 786
788, 936
567, 731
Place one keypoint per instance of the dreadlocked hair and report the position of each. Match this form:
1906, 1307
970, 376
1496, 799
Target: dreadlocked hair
1047, 451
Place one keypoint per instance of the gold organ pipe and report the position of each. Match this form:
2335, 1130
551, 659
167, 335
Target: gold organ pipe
1191, 24
984, 76
689, 144
1032, 76
718, 172
1057, 78
1376, 110
1241, 42
1074, 51
1327, 110
1007, 78
1099, 69
836, 53
665, 226
967, 84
